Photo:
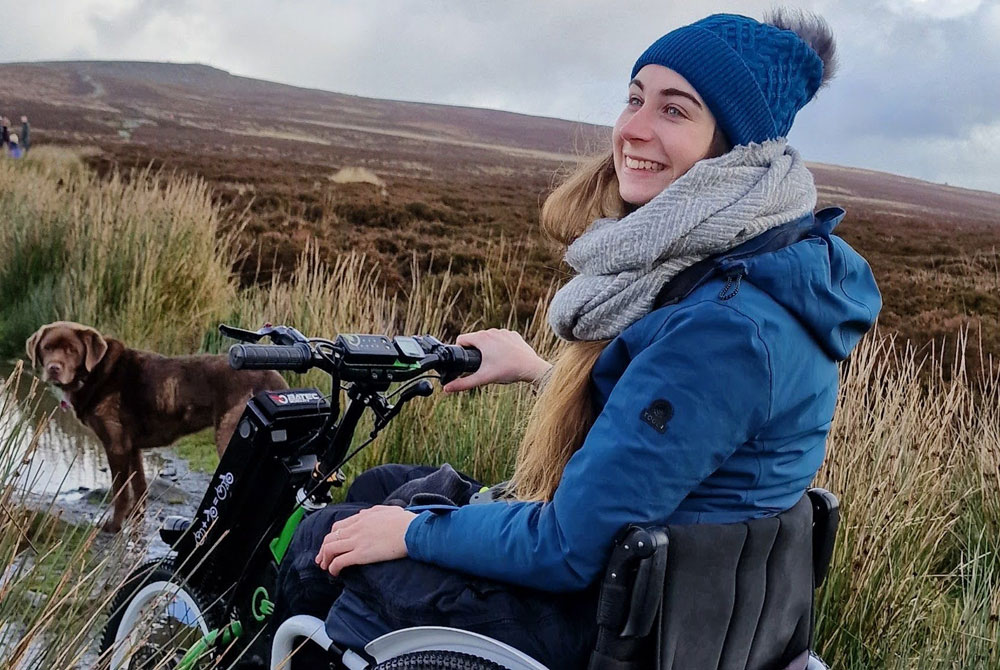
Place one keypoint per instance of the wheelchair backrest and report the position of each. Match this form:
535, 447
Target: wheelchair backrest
729, 596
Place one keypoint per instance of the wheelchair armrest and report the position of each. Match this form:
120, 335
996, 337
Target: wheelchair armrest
826, 518
633, 582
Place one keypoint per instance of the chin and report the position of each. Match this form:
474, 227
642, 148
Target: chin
636, 197
640, 194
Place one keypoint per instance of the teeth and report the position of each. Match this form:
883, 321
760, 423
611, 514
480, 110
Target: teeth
642, 165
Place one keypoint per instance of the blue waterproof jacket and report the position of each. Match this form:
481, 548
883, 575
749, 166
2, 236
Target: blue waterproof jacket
713, 408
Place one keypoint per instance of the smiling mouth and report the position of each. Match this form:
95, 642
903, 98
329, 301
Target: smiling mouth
644, 165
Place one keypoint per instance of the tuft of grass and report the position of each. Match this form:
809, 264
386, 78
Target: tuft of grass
137, 255
917, 561
199, 450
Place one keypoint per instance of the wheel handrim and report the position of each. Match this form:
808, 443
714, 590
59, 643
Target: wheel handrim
161, 616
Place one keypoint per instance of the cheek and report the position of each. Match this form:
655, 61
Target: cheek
690, 149
616, 139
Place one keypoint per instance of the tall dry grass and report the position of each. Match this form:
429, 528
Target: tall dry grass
915, 580
137, 255
52, 575
917, 563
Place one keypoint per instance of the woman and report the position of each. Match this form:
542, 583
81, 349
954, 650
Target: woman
706, 321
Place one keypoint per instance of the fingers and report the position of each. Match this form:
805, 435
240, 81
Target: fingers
468, 339
333, 544
344, 524
464, 383
338, 540
344, 536
343, 561
506, 358
373, 535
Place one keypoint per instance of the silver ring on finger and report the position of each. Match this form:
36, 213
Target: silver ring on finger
336, 534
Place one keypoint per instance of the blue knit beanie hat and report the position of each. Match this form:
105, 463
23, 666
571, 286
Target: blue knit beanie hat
753, 76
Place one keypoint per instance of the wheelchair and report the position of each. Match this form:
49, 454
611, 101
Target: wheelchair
734, 596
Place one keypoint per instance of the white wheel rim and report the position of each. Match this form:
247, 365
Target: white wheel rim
162, 595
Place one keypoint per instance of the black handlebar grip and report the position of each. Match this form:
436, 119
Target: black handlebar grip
297, 357
473, 359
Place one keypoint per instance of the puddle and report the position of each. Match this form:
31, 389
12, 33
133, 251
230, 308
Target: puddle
68, 457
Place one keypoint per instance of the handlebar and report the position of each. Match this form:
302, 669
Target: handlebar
372, 359
297, 357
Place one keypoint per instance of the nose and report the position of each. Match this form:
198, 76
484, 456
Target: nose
53, 369
638, 127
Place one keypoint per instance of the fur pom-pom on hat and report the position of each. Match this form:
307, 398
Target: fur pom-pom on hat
811, 29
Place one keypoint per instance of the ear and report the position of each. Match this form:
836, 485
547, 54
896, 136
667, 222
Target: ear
94, 346
31, 345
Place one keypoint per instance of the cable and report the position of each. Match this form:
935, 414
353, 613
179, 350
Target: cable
411, 382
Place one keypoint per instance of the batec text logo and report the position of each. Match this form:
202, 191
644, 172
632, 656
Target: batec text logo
294, 398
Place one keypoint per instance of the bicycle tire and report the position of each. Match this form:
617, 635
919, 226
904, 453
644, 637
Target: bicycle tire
438, 660
144, 581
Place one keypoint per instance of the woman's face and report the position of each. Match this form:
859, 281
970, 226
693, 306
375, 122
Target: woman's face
664, 129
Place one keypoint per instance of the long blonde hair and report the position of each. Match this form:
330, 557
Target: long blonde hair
563, 413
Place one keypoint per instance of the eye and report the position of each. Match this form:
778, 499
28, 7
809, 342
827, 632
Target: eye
674, 110
633, 101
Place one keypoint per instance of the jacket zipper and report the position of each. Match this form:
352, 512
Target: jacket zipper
734, 275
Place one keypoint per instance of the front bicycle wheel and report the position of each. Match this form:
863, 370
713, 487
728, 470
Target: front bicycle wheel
156, 619
438, 660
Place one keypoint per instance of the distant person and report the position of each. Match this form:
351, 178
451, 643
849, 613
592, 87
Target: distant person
14, 149
4, 132
25, 134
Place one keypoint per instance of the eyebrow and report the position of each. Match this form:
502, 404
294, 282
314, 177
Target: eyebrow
668, 92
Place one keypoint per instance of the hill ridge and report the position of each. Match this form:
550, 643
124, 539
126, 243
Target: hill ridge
194, 104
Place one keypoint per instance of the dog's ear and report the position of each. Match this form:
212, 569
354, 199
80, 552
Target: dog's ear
31, 344
94, 347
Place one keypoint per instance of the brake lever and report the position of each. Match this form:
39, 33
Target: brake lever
240, 334
384, 413
282, 334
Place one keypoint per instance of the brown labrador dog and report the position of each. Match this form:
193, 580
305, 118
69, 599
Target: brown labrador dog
136, 399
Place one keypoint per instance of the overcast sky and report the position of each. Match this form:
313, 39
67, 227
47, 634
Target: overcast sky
918, 92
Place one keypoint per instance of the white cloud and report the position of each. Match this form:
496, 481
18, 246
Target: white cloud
970, 161
935, 9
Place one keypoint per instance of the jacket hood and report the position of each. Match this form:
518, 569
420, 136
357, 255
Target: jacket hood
820, 279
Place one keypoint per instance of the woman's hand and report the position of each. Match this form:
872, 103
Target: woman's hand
372, 535
507, 358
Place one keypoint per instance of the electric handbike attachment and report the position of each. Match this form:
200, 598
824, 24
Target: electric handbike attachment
207, 604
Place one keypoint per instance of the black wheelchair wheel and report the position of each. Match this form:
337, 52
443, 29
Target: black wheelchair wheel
155, 619
438, 660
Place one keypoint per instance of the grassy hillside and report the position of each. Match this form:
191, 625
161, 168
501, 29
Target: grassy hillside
915, 576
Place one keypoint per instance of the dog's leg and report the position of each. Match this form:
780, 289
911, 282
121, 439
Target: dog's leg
139, 487
225, 427
120, 463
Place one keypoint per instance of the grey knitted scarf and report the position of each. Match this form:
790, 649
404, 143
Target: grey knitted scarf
719, 203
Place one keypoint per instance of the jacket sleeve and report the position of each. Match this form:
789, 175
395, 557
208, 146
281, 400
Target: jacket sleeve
699, 390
